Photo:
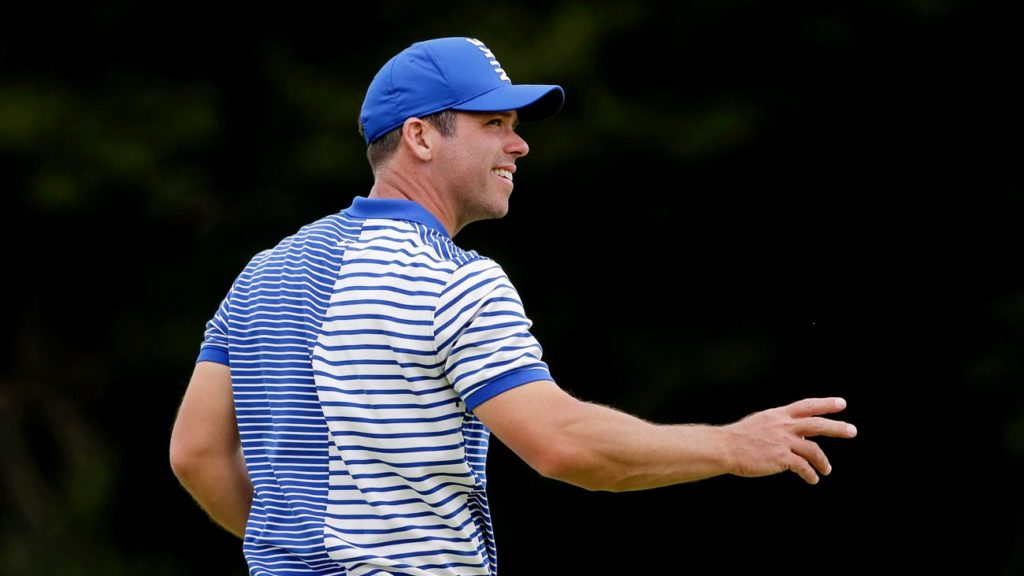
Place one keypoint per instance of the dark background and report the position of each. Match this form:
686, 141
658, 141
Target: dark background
741, 204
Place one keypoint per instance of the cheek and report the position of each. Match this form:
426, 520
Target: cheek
471, 165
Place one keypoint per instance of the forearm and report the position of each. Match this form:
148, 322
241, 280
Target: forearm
220, 484
604, 449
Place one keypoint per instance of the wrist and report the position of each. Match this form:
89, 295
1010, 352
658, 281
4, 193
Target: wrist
720, 441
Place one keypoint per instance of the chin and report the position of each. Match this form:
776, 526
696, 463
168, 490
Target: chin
500, 210
489, 206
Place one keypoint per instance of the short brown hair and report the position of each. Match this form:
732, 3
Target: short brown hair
381, 149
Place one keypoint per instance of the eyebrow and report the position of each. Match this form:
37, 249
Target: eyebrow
507, 115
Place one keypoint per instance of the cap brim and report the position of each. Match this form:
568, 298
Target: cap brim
531, 101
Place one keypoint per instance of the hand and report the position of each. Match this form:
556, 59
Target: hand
775, 440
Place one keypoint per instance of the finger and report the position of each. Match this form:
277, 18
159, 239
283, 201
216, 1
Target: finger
815, 406
816, 426
811, 453
803, 469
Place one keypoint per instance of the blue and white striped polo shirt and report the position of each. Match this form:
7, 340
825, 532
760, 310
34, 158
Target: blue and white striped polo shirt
358, 349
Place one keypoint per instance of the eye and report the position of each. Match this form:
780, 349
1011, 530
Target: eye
497, 122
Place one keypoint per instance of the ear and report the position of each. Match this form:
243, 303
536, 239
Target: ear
418, 136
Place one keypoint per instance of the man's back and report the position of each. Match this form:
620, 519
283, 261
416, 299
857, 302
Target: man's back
355, 347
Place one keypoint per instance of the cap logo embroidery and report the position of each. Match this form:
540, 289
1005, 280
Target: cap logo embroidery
490, 58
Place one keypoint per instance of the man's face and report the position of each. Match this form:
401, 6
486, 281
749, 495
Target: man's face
478, 163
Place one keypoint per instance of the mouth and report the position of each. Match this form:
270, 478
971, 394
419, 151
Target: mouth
503, 173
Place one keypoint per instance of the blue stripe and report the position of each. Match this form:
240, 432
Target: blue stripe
409, 527
470, 306
387, 362
388, 303
388, 250
394, 434
465, 278
395, 349
492, 327
487, 366
465, 359
482, 343
375, 288
398, 263
436, 488
390, 275
421, 464
411, 479
361, 377
410, 450
445, 402
397, 515
396, 320
399, 541
374, 392
437, 552
423, 338
451, 416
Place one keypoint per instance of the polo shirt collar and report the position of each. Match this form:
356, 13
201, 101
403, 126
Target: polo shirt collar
394, 209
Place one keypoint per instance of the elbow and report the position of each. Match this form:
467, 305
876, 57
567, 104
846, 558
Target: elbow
185, 456
574, 466
549, 465
181, 462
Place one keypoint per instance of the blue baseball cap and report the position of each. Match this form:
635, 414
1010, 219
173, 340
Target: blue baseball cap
449, 74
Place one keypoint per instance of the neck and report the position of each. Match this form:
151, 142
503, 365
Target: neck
397, 185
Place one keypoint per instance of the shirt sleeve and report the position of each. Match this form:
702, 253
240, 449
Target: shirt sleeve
482, 334
215, 340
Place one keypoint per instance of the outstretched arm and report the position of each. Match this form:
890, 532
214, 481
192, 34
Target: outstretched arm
599, 448
206, 453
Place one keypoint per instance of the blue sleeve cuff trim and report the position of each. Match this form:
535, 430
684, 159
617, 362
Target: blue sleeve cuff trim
210, 354
504, 383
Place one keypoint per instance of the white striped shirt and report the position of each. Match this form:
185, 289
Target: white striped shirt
358, 349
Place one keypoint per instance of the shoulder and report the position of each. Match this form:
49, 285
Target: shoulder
479, 281
317, 243
475, 267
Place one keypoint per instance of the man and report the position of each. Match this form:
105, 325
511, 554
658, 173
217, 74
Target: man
362, 363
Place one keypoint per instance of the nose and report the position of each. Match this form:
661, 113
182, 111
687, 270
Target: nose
517, 146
